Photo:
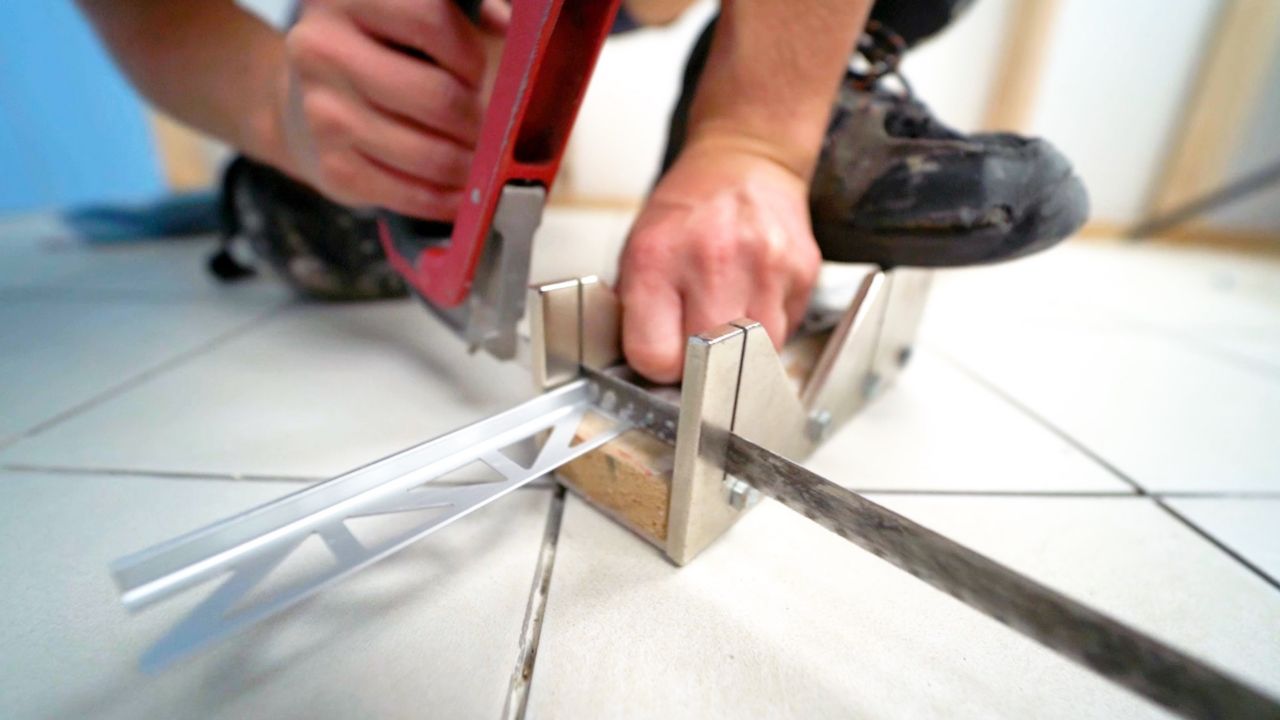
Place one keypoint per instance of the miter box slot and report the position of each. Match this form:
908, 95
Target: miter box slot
572, 323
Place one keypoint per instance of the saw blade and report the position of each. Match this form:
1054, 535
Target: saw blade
1128, 657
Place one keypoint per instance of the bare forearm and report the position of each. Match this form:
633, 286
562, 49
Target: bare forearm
772, 74
208, 63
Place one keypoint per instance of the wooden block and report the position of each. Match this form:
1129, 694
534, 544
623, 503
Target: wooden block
628, 478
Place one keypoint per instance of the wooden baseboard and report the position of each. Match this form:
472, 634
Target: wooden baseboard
1232, 74
1264, 242
184, 155
578, 202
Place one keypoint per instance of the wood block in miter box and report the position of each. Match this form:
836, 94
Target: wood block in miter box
678, 497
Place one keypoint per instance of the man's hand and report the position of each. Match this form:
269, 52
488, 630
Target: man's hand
382, 103
724, 235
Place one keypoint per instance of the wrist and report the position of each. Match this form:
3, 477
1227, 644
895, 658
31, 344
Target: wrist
730, 145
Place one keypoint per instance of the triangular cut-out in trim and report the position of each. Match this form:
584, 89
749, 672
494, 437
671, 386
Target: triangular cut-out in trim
373, 531
473, 473
308, 559
525, 452
592, 424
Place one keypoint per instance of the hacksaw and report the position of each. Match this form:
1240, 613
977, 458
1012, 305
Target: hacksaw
736, 428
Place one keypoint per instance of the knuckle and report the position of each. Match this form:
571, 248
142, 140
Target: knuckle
423, 201
338, 174
808, 263
305, 44
324, 113
652, 361
715, 250
646, 254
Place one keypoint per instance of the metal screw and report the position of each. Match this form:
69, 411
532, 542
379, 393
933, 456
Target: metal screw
475, 196
818, 424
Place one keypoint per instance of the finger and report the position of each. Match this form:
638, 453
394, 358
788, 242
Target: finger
796, 305
422, 156
651, 329
435, 28
770, 312
341, 120
709, 304
335, 53
495, 16
355, 179
804, 276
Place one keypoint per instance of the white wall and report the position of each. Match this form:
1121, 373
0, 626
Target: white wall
621, 130
1111, 95
955, 72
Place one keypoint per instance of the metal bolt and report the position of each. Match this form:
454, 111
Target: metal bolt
904, 355
740, 493
817, 425
870, 385
475, 196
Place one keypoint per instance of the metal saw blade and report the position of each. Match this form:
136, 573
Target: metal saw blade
1117, 652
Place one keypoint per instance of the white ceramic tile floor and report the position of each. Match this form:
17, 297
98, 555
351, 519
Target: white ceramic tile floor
937, 429
312, 392
432, 631
43, 260
782, 618
1104, 282
1249, 526
1166, 413
58, 353
1158, 363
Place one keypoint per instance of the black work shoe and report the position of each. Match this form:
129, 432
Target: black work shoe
323, 250
895, 187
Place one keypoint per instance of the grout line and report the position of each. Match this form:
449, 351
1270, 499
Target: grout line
1244, 562
1267, 578
1189, 340
1220, 494
122, 296
1100, 494
998, 493
531, 631
151, 372
1039, 419
162, 474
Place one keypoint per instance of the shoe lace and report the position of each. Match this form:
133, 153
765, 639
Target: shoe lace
881, 48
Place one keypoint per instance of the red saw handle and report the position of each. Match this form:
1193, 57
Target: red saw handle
551, 49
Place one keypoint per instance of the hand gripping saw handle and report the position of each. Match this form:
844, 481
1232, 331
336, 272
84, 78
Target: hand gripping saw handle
474, 272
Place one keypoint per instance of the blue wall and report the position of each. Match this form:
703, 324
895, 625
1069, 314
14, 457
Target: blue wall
71, 129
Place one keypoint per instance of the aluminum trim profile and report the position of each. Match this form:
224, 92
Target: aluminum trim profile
246, 548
